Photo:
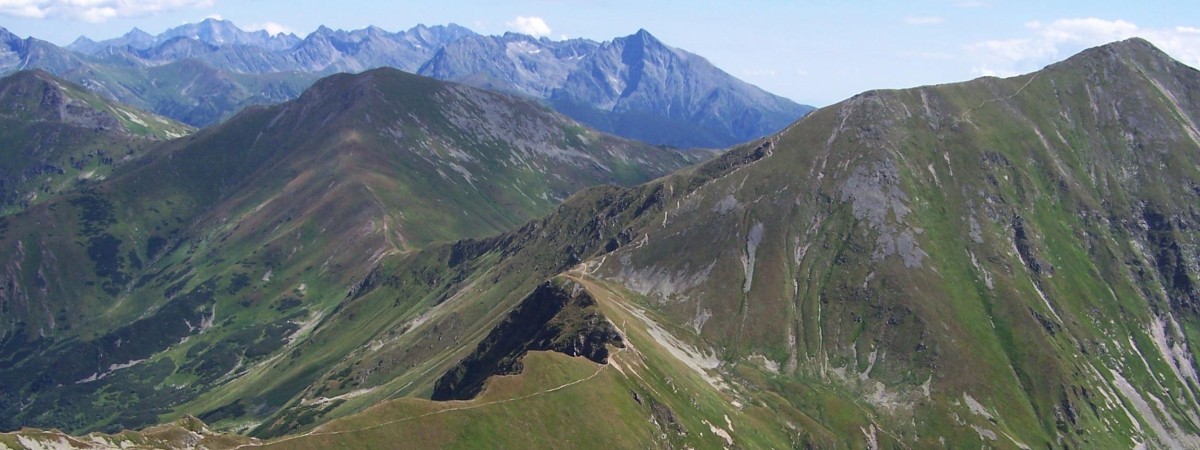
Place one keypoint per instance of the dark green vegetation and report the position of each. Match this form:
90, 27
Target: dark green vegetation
172, 285
1004, 263
56, 136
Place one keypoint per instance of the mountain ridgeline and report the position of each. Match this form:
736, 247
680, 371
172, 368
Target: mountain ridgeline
56, 136
634, 86
214, 253
1002, 263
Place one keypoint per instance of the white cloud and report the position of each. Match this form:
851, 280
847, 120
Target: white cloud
1049, 42
985, 71
924, 20
801, 72
94, 10
271, 27
533, 26
214, 17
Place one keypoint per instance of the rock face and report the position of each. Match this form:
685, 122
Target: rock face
225, 247
556, 316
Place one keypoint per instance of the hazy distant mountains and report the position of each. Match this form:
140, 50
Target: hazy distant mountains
325, 51
216, 32
634, 86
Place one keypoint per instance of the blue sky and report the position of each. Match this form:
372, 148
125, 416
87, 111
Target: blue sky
813, 52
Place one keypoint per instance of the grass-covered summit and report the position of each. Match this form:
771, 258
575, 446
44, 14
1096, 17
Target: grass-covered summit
125, 298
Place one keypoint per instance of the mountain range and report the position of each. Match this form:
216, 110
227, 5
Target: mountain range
635, 86
1002, 263
274, 214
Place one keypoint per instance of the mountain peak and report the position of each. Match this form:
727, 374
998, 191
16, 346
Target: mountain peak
81, 40
1132, 49
323, 31
643, 38
6, 35
138, 33
644, 35
1134, 45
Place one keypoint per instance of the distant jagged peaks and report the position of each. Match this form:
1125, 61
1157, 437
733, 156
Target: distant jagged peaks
634, 86
210, 31
17, 53
221, 33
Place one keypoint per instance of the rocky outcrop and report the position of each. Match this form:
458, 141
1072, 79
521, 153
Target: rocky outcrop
558, 316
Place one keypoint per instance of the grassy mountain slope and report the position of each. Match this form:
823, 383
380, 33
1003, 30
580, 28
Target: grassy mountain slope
55, 136
191, 270
914, 268
1002, 263
188, 90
